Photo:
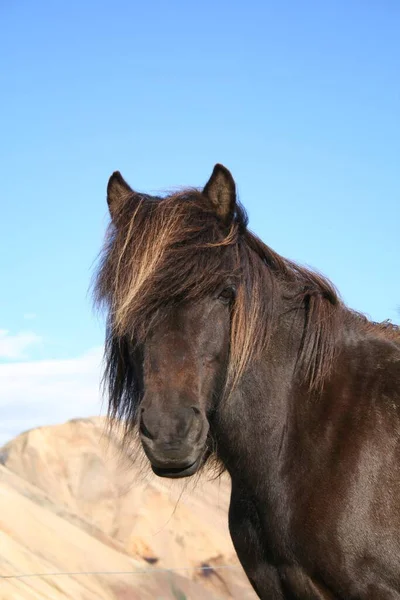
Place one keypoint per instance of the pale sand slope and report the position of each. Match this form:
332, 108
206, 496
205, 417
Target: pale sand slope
69, 502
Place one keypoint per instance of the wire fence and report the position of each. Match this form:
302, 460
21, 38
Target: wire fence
134, 572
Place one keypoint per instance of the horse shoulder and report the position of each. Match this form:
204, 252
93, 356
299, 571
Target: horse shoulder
246, 533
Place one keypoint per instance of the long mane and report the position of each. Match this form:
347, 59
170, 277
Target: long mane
162, 251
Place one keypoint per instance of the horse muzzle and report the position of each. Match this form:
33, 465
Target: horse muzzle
175, 445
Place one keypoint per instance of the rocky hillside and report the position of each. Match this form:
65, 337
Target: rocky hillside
70, 502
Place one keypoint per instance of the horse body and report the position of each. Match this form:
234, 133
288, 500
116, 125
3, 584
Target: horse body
323, 521
217, 346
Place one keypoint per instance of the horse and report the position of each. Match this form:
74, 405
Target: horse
218, 348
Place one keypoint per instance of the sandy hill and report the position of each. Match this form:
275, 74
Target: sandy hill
70, 503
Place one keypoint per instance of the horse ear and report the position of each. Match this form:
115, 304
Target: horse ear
221, 190
118, 191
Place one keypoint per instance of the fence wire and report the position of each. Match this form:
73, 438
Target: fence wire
134, 572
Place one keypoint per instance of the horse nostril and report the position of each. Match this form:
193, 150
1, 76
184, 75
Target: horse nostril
144, 431
196, 410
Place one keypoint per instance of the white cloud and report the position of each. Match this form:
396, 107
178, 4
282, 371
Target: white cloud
45, 392
12, 347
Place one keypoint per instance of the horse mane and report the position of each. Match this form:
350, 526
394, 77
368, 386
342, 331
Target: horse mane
162, 251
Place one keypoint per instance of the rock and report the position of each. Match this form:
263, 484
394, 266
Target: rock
70, 501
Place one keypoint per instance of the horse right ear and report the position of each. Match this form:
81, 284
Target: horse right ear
221, 190
118, 192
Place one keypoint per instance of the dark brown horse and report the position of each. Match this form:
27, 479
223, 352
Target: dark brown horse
217, 346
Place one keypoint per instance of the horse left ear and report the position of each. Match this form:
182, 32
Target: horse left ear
221, 190
118, 192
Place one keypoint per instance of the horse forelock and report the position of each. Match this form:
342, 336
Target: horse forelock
162, 251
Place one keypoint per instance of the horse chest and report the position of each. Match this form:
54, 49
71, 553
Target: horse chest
277, 574
255, 549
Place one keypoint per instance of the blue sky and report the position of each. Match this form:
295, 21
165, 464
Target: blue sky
301, 101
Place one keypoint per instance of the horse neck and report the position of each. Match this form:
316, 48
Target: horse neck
252, 421
274, 407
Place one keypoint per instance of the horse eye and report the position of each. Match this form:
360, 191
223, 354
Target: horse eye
228, 294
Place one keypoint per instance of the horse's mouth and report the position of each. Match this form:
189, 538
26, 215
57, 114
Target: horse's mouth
177, 472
